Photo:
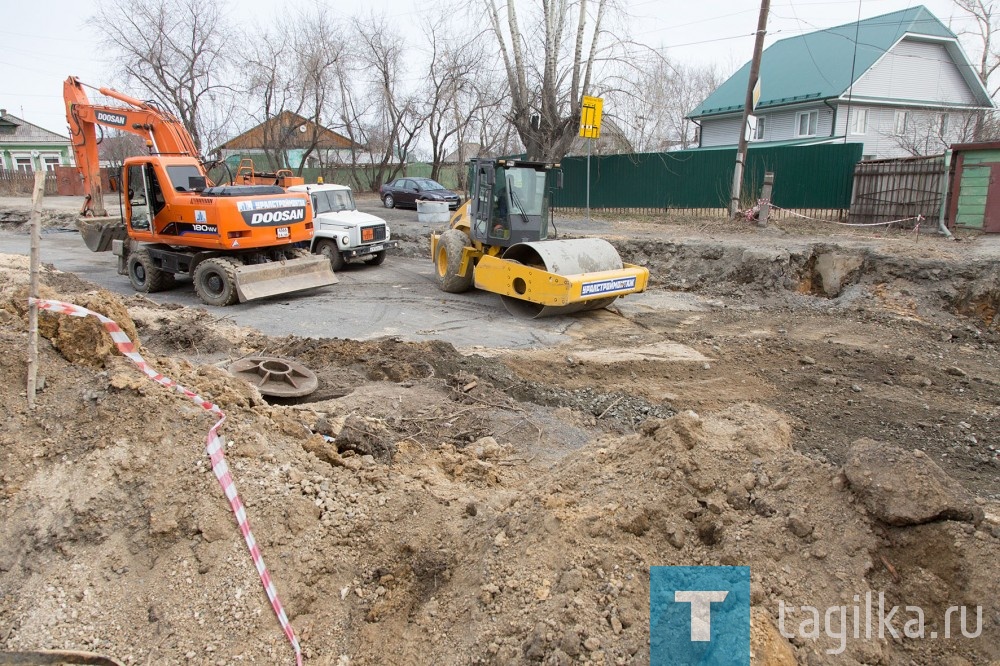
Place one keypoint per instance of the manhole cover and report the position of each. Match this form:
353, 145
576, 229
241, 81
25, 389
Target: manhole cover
278, 377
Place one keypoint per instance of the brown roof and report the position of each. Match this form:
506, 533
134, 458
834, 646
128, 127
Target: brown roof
290, 123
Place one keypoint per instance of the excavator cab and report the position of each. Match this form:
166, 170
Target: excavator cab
509, 202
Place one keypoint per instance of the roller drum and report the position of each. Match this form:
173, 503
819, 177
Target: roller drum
562, 257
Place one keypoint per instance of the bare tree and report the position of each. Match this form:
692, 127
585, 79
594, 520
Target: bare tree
549, 68
393, 119
290, 75
174, 50
933, 132
116, 146
653, 99
319, 44
350, 112
451, 94
271, 83
987, 19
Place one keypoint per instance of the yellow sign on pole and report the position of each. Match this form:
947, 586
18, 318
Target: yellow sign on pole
756, 95
590, 117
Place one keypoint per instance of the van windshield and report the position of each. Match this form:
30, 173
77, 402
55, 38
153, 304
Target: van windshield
332, 201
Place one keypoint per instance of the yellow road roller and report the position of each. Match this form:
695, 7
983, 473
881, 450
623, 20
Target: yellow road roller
498, 242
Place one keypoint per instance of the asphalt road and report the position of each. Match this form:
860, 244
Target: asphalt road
398, 298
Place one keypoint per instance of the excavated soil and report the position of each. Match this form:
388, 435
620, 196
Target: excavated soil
425, 506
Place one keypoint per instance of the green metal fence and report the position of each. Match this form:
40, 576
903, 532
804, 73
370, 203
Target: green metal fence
813, 177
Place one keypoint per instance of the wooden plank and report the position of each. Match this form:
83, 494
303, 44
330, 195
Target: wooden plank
970, 221
980, 156
36, 240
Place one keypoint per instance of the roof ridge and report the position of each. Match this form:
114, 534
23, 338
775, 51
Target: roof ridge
870, 21
830, 60
22, 122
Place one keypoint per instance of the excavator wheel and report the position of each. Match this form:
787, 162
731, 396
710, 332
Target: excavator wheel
145, 276
447, 261
215, 281
328, 249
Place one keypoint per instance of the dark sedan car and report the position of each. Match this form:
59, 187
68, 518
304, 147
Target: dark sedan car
406, 192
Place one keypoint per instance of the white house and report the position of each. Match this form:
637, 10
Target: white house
898, 83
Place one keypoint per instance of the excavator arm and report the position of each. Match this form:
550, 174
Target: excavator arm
163, 133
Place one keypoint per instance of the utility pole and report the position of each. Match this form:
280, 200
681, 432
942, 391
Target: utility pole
741, 150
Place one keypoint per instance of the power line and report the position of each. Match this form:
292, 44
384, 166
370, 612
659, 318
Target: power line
707, 41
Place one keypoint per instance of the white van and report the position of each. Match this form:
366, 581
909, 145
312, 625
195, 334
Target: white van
341, 231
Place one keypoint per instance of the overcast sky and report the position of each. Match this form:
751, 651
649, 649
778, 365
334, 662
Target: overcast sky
44, 41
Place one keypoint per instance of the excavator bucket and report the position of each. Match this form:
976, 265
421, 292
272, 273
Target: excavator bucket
557, 277
99, 232
283, 277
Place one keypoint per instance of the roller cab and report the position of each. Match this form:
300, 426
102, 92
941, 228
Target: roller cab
498, 242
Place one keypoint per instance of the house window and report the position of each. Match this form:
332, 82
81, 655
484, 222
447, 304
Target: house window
51, 163
758, 131
899, 123
806, 122
859, 121
24, 164
943, 124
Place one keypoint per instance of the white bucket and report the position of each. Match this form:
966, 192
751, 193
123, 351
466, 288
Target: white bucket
432, 211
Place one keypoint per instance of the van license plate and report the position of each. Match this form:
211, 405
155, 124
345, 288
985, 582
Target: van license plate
282, 232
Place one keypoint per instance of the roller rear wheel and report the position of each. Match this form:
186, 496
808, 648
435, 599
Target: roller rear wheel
448, 259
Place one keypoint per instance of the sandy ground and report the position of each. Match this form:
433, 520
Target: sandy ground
503, 505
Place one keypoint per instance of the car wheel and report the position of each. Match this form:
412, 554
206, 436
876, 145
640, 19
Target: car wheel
376, 259
329, 250
388, 201
447, 261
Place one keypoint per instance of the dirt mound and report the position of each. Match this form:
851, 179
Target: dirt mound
430, 507
18, 220
190, 331
820, 270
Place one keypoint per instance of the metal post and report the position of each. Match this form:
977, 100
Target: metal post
945, 184
36, 240
589, 143
741, 150
765, 199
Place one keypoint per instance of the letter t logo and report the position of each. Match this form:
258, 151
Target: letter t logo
701, 610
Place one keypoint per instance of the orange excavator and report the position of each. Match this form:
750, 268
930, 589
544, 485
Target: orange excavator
236, 242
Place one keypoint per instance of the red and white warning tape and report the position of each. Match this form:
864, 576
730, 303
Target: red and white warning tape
918, 218
213, 448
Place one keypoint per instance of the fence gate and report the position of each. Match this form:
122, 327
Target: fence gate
897, 189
